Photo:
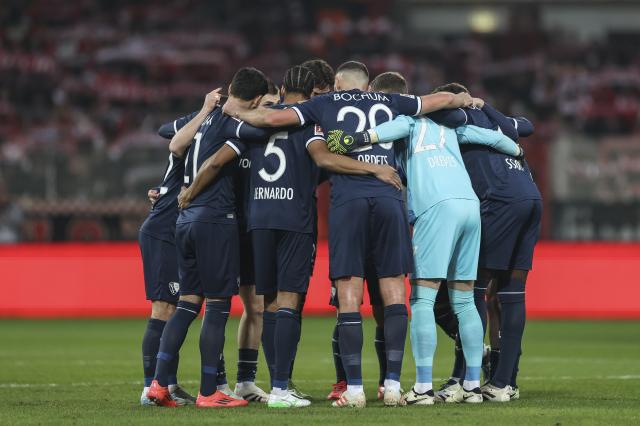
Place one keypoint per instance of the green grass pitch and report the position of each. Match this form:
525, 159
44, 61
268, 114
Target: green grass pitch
88, 372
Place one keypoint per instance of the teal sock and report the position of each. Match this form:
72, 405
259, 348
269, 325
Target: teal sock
471, 332
423, 330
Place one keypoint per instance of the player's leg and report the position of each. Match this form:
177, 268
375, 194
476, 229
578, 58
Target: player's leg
292, 386
446, 319
188, 308
431, 252
249, 335
377, 308
500, 229
266, 275
338, 388
423, 337
286, 338
250, 326
348, 230
161, 288
294, 254
392, 256
379, 345
396, 318
493, 313
470, 326
217, 254
350, 338
511, 295
461, 274
160, 313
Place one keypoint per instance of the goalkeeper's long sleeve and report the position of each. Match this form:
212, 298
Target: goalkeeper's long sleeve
496, 140
393, 130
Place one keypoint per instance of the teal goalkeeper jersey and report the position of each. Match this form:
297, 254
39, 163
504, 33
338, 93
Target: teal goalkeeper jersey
432, 160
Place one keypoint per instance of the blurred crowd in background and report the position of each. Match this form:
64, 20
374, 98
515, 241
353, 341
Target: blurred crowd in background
85, 84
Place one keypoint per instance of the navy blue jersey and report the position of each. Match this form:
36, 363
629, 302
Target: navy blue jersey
217, 202
278, 180
355, 111
494, 176
243, 185
283, 181
161, 222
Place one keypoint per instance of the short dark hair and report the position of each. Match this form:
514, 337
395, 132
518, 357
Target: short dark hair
299, 79
353, 66
451, 87
272, 88
248, 83
389, 82
322, 72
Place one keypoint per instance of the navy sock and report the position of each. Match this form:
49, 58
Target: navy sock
295, 350
381, 352
396, 319
337, 360
479, 298
175, 331
494, 359
247, 365
150, 345
350, 338
212, 343
512, 321
459, 364
221, 374
287, 335
172, 370
514, 376
268, 340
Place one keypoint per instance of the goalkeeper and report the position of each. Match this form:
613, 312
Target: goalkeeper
446, 235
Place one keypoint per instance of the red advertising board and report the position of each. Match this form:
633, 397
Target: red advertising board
569, 280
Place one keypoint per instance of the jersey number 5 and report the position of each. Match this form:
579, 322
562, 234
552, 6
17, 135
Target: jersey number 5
272, 149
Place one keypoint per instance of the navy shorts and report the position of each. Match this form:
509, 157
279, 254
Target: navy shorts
376, 227
373, 287
247, 276
510, 232
160, 263
208, 259
282, 260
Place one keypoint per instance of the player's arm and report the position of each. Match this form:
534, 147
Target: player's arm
341, 143
496, 140
249, 133
182, 139
505, 123
344, 165
263, 117
523, 126
207, 174
168, 130
450, 117
444, 100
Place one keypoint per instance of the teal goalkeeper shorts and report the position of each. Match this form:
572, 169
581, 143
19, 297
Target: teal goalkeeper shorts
446, 241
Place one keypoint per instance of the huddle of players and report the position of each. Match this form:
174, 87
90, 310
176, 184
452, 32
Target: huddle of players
369, 233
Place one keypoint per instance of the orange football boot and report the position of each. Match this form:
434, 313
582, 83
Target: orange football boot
337, 390
160, 395
219, 400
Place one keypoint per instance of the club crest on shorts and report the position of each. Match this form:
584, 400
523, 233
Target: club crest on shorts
174, 288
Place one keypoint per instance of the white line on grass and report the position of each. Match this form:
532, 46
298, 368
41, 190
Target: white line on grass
195, 382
